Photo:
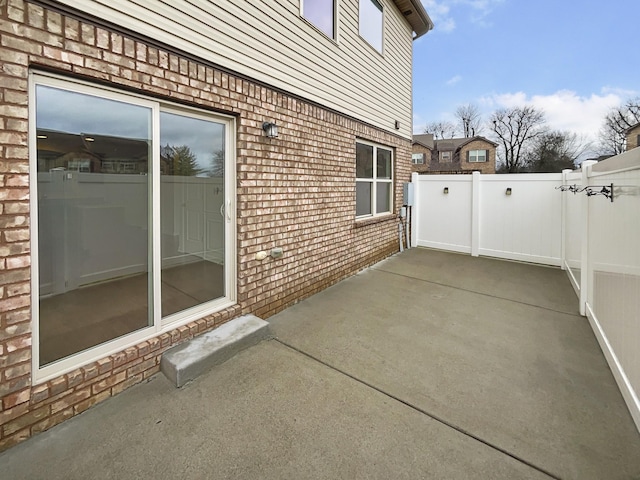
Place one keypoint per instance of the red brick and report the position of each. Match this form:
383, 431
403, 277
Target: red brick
25, 420
52, 421
16, 398
108, 382
70, 400
39, 393
57, 385
91, 401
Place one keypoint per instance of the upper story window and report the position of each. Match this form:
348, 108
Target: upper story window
322, 13
417, 158
445, 156
371, 22
374, 179
477, 156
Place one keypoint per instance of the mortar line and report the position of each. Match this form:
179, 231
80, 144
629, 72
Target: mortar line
420, 410
477, 293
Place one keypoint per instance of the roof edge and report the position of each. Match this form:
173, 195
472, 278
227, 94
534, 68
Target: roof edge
417, 16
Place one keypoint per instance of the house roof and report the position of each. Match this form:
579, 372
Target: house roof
425, 139
451, 144
631, 128
416, 15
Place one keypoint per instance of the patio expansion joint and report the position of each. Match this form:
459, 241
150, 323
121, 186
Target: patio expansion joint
419, 409
440, 284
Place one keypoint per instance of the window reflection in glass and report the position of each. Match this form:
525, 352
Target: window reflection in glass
371, 23
93, 155
383, 163
321, 14
192, 211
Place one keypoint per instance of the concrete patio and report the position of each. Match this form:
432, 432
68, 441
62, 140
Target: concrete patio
427, 365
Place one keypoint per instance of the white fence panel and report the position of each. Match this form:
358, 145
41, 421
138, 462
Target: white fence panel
521, 217
613, 270
478, 215
443, 217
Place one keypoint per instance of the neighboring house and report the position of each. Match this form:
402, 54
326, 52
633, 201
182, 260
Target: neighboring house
454, 155
150, 151
633, 136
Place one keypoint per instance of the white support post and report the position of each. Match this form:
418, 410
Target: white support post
415, 209
584, 235
475, 213
563, 223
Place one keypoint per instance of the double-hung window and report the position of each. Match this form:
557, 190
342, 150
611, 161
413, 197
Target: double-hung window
374, 179
477, 156
417, 158
371, 23
132, 229
322, 14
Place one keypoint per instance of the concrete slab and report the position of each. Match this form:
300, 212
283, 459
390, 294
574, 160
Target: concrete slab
530, 380
398, 372
538, 285
268, 413
190, 359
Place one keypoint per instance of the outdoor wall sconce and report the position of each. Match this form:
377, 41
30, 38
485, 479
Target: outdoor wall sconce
446, 190
271, 129
508, 191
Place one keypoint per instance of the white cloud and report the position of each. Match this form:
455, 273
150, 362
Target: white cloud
444, 19
453, 80
564, 110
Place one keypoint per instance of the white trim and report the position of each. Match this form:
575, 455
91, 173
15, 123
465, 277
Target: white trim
159, 325
445, 246
628, 393
521, 257
572, 278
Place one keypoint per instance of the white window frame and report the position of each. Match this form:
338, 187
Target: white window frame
446, 156
418, 158
335, 20
376, 4
159, 325
374, 180
474, 154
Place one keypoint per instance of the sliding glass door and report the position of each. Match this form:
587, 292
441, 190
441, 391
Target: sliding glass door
131, 222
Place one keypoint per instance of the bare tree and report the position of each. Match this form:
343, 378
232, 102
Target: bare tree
514, 128
470, 118
179, 160
554, 151
616, 123
441, 130
217, 164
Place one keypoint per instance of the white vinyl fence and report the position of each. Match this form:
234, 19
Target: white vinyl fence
514, 216
568, 220
605, 236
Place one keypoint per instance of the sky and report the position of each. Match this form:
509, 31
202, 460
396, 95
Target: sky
573, 59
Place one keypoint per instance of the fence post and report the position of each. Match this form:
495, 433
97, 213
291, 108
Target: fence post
475, 213
563, 222
584, 231
415, 209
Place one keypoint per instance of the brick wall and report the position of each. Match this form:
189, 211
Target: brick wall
459, 163
296, 192
633, 137
483, 167
421, 167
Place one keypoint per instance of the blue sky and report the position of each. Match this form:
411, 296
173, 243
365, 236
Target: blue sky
574, 59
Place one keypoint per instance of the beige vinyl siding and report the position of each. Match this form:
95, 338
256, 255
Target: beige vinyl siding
269, 41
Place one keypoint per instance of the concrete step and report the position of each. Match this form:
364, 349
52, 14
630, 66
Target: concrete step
186, 361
